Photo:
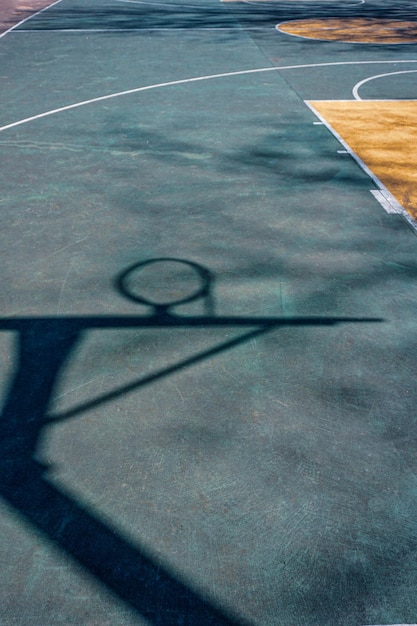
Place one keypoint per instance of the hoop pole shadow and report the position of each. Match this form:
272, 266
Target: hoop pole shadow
45, 345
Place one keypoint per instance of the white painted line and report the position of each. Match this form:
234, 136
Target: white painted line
130, 30
392, 207
388, 197
29, 18
165, 4
132, 91
184, 81
318, 123
389, 204
356, 88
352, 3
343, 152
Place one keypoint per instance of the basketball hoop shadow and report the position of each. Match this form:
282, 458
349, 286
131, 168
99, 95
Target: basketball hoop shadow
45, 344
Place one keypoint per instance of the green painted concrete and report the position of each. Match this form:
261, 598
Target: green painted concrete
214, 469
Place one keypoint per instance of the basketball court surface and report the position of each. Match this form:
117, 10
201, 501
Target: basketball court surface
208, 313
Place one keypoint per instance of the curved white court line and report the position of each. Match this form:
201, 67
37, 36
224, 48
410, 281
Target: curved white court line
346, 3
184, 81
166, 4
355, 90
29, 18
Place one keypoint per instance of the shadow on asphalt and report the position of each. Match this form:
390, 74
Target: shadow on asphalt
44, 346
131, 15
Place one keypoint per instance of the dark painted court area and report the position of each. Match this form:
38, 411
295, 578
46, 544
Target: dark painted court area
208, 323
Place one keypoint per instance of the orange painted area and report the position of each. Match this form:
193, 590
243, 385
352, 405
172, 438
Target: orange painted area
353, 30
383, 134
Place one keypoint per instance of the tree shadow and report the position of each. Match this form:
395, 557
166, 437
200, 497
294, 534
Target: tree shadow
45, 345
131, 15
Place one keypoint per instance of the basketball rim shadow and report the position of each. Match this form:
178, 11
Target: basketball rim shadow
44, 345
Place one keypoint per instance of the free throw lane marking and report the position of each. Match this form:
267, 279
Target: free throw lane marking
387, 201
383, 135
353, 30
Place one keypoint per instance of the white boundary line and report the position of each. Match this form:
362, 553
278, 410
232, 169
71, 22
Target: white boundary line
184, 81
29, 18
131, 30
386, 199
356, 88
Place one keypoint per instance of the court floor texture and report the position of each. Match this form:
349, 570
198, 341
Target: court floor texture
208, 313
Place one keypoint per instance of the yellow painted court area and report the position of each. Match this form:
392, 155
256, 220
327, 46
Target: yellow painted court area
383, 134
353, 30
